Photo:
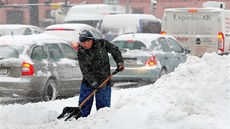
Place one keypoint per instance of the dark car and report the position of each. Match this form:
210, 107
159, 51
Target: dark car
38, 66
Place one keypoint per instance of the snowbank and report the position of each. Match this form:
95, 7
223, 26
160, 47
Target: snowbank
195, 96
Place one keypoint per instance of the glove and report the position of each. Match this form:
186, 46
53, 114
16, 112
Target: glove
120, 66
94, 85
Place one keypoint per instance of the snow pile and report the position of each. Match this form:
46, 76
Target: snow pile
195, 96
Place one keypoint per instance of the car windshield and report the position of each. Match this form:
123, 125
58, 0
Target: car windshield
10, 51
130, 44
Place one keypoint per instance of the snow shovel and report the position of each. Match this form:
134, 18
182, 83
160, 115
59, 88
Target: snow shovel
76, 112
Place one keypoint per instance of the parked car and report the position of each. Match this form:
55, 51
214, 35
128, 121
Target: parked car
19, 29
70, 31
38, 66
115, 25
148, 56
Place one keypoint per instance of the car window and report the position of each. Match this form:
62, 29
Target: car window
165, 45
7, 51
176, 46
27, 31
11, 51
155, 46
97, 35
151, 26
35, 30
38, 53
55, 51
70, 52
131, 45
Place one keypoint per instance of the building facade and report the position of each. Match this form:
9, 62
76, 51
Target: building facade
36, 11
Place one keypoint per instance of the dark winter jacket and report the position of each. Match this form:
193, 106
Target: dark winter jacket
94, 62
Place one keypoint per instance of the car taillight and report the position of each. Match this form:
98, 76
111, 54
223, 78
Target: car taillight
106, 13
27, 69
163, 32
221, 41
151, 61
60, 29
130, 40
75, 45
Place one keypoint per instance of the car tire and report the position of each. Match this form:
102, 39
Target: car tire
50, 91
163, 72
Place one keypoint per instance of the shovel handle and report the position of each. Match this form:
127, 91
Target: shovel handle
116, 71
100, 86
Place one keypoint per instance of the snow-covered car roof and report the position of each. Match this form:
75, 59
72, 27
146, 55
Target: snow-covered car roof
211, 9
69, 26
92, 11
19, 29
15, 26
70, 31
126, 23
23, 39
146, 37
128, 16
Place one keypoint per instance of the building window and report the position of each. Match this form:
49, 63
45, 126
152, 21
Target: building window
48, 16
138, 10
15, 17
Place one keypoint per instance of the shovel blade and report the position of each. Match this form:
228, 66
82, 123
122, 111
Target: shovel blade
70, 112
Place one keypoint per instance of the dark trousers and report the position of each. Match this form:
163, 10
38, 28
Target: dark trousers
103, 98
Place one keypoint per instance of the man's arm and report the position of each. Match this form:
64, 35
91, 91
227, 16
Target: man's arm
114, 51
116, 54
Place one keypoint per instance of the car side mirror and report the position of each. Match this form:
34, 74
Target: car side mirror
158, 48
143, 49
187, 51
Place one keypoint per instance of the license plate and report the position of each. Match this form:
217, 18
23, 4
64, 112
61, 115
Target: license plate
130, 61
3, 71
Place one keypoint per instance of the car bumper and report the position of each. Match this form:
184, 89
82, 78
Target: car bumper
15, 87
136, 74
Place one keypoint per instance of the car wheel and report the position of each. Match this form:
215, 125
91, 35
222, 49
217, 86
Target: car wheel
163, 72
50, 91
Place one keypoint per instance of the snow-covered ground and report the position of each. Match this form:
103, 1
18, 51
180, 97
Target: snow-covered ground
195, 96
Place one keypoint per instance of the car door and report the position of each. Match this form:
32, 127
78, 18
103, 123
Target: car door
97, 35
178, 49
72, 68
40, 63
58, 66
168, 59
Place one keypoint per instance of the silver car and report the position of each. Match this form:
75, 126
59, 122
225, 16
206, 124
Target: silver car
148, 56
38, 66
